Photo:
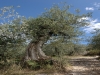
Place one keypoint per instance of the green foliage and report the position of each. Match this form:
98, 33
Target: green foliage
33, 64
59, 48
93, 53
36, 65
11, 41
54, 22
95, 42
94, 45
10, 34
55, 48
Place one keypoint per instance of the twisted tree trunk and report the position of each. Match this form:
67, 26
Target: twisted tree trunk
34, 51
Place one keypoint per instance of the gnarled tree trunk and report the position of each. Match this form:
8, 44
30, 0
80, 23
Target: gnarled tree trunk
34, 51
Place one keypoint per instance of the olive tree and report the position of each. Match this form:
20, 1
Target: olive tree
56, 22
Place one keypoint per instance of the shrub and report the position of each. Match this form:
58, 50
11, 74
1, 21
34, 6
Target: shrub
93, 53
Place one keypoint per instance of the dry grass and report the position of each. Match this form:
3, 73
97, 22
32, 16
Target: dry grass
46, 70
17, 70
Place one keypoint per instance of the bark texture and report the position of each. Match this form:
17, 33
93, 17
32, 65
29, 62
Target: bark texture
34, 51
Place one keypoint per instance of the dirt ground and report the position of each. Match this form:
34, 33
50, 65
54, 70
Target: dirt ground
84, 66
81, 65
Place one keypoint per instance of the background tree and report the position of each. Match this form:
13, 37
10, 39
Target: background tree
94, 42
10, 33
94, 45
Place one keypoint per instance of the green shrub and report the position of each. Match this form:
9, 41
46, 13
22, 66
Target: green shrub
93, 53
36, 65
32, 64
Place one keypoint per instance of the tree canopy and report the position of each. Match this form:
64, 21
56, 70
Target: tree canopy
56, 21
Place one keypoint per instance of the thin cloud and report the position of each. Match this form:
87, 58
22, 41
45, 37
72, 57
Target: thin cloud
94, 24
83, 19
97, 4
89, 8
18, 6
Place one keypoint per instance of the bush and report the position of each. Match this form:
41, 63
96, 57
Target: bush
36, 65
93, 53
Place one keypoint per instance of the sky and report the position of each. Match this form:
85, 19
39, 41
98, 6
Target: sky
34, 8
